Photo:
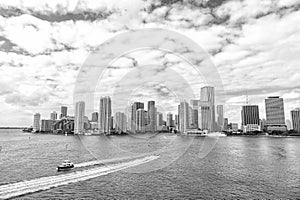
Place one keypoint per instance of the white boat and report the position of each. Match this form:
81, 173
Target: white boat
65, 166
195, 132
216, 134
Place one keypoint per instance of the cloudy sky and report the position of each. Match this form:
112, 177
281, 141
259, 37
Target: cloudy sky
254, 45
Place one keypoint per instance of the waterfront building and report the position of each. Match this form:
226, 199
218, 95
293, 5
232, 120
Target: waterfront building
94, 125
176, 122
225, 127
105, 115
205, 118
47, 125
288, 124
120, 122
111, 123
135, 107
296, 119
95, 117
234, 127
183, 117
79, 117
141, 120
170, 120
86, 123
263, 124
275, 114
220, 117
152, 117
64, 111
207, 96
65, 124
194, 118
250, 118
159, 122
129, 115
53, 115
36, 122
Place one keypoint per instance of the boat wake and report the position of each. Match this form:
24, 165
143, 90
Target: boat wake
44, 183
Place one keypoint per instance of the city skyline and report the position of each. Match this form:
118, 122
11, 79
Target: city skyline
198, 114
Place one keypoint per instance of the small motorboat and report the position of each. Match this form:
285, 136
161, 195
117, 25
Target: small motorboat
65, 166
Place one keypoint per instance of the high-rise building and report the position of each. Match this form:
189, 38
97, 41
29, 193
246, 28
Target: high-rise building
95, 116
296, 119
79, 117
120, 122
184, 116
159, 121
225, 127
64, 111
205, 114
207, 96
36, 122
176, 121
220, 117
111, 123
135, 107
141, 120
170, 120
105, 115
129, 115
47, 125
288, 124
152, 117
195, 104
250, 118
250, 115
193, 114
193, 119
263, 124
275, 114
53, 116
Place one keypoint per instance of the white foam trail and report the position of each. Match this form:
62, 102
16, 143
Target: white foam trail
44, 183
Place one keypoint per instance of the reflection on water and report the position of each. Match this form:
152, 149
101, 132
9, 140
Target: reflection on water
237, 167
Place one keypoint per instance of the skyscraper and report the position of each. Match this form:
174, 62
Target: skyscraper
79, 117
296, 119
159, 119
95, 116
152, 116
105, 115
275, 114
250, 114
120, 121
194, 114
129, 115
36, 122
250, 118
53, 116
207, 96
135, 107
220, 117
183, 116
141, 120
64, 111
225, 127
205, 114
47, 125
170, 120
